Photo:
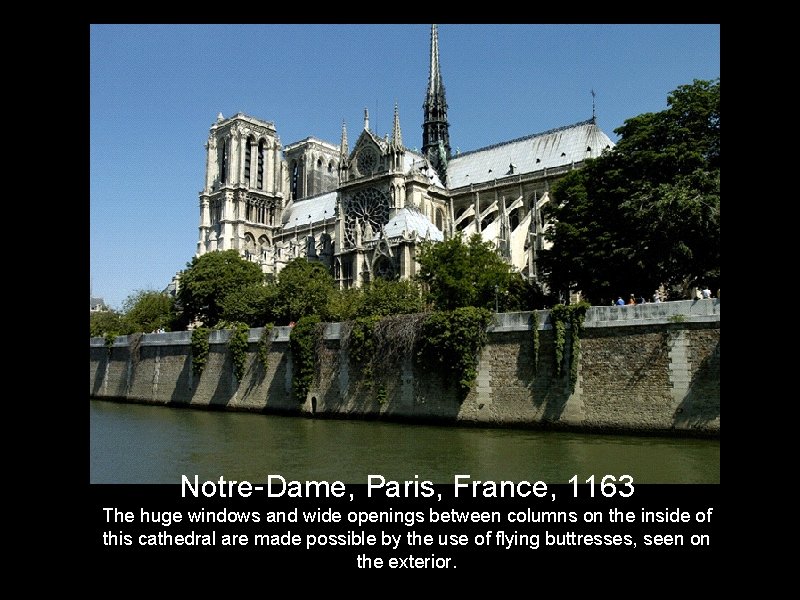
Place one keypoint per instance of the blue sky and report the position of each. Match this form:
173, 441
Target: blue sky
156, 89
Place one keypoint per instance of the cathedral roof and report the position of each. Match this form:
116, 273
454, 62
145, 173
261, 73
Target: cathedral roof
310, 210
411, 220
555, 148
412, 160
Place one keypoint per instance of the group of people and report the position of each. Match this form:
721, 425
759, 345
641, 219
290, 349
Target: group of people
632, 300
704, 293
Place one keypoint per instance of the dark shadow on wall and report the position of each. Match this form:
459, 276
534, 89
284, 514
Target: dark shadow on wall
700, 406
100, 372
182, 393
277, 396
226, 380
549, 394
256, 372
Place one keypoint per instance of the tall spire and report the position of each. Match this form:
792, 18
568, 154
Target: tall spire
397, 136
434, 75
366, 119
344, 151
435, 129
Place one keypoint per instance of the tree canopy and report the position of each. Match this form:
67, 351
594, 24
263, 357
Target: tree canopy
147, 311
647, 212
253, 304
461, 273
303, 289
209, 278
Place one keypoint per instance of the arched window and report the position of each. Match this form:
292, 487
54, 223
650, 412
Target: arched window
247, 159
295, 174
223, 162
249, 246
263, 244
262, 153
440, 219
330, 167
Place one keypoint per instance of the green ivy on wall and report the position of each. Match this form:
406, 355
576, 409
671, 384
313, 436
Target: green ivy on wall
573, 315
453, 340
535, 327
237, 346
200, 349
303, 341
264, 345
362, 345
109, 339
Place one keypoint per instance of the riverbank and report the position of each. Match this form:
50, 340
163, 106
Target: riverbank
645, 369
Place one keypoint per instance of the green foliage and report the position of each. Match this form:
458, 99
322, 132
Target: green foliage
109, 339
253, 304
208, 279
361, 344
303, 341
344, 305
573, 315
453, 340
237, 346
559, 316
382, 298
265, 344
459, 273
377, 347
200, 347
304, 289
647, 212
381, 394
104, 322
535, 327
147, 311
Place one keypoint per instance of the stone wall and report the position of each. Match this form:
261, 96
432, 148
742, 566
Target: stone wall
652, 368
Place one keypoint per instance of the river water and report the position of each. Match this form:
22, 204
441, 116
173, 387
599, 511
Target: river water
132, 443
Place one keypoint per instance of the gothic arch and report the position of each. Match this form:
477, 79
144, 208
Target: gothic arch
439, 219
248, 158
514, 217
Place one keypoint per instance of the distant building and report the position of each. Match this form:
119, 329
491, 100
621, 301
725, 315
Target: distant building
362, 212
96, 305
173, 286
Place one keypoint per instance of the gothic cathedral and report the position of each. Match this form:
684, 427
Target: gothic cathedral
363, 212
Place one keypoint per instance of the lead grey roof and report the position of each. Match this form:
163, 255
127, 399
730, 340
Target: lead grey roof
411, 220
554, 148
310, 210
412, 160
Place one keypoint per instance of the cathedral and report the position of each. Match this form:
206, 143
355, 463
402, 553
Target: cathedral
362, 212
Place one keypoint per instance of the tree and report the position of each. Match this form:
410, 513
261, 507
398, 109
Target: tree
303, 289
105, 322
146, 311
459, 273
344, 305
209, 278
382, 298
254, 305
647, 212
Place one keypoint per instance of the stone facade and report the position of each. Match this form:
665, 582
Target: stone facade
363, 212
644, 371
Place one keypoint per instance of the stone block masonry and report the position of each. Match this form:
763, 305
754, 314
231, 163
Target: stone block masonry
651, 369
